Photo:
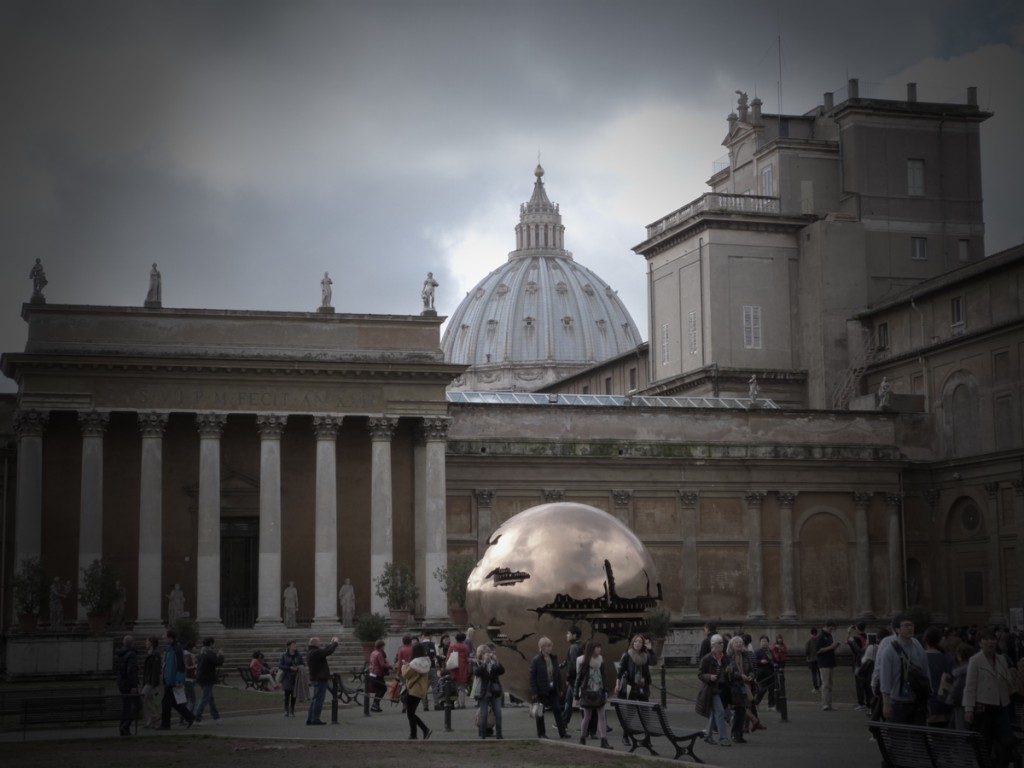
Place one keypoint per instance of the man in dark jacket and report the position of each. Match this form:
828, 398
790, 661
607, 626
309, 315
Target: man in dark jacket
206, 678
128, 684
573, 636
319, 674
174, 679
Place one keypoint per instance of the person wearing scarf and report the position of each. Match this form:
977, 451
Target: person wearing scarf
635, 670
590, 676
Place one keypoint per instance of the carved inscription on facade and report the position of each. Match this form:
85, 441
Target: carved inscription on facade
241, 398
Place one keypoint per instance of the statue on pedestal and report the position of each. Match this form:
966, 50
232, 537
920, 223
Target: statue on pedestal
754, 389
153, 297
291, 604
175, 605
884, 394
428, 291
347, 600
120, 603
58, 592
38, 278
326, 290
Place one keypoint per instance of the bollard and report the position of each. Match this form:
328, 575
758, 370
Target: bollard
780, 692
335, 687
449, 696
664, 691
366, 695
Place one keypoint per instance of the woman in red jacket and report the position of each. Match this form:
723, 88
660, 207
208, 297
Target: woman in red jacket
379, 669
459, 671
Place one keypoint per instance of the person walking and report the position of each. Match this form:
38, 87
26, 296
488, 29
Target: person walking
151, 684
898, 663
319, 674
459, 668
988, 706
575, 648
174, 683
128, 684
635, 670
206, 677
289, 665
492, 695
739, 671
593, 692
827, 646
378, 672
416, 676
811, 654
712, 673
546, 685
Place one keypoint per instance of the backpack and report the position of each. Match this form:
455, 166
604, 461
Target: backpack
914, 677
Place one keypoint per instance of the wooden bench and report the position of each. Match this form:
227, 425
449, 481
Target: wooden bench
912, 746
78, 709
652, 722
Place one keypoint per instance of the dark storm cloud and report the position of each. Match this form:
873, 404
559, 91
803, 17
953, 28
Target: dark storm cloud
247, 147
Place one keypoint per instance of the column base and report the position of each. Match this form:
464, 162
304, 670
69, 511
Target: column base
326, 625
269, 624
789, 617
144, 628
210, 626
758, 616
867, 616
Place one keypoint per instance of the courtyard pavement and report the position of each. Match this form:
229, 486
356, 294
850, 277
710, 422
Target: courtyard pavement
811, 737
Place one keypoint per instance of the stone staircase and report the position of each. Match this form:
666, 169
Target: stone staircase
237, 646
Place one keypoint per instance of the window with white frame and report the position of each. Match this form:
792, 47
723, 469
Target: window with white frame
768, 180
915, 177
664, 344
751, 327
919, 248
691, 328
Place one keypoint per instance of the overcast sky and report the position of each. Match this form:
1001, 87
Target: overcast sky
247, 147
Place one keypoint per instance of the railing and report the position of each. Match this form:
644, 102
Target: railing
718, 202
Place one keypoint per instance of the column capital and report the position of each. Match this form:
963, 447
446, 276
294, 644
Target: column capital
210, 424
992, 490
93, 423
484, 497
931, 496
326, 427
1018, 487
689, 498
754, 498
152, 423
893, 500
382, 428
622, 497
787, 498
30, 422
435, 428
861, 499
271, 425
553, 494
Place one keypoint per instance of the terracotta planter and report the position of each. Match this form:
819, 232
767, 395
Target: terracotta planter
399, 617
459, 616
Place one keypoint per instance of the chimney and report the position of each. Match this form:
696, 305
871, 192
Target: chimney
732, 122
972, 96
755, 111
828, 100
911, 92
853, 88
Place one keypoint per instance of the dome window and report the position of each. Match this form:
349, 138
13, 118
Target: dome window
567, 321
562, 288
502, 289
588, 289
531, 287
601, 325
528, 321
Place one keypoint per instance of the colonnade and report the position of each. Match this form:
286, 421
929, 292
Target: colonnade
430, 515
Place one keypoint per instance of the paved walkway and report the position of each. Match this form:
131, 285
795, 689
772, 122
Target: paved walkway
811, 737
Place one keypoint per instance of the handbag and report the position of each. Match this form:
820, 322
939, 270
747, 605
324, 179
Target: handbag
453, 661
702, 706
590, 698
393, 694
537, 710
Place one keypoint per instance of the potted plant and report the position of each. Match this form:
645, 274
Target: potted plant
30, 584
454, 578
659, 624
396, 586
97, 592
368, 628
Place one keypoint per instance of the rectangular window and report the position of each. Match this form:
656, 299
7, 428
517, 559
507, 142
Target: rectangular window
956, 314
915, 177
664, 344
919, 248
632, 379
691, 328
767, 181
964, 250
882, 340
586, 389
752, 327
607, 385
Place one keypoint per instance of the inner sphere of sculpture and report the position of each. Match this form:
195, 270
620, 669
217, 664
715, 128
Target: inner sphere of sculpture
544, 571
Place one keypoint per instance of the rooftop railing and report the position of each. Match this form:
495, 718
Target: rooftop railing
717, 202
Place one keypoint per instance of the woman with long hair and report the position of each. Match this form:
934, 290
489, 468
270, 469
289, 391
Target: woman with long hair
739, 670
635, 669
379, 669
592, 692
416, 675
289, 665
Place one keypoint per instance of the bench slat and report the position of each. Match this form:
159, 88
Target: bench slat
912, 746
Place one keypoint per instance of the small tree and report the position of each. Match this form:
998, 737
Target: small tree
454, 578
98, 589
659, 623
396, 586
370, 627
30, 585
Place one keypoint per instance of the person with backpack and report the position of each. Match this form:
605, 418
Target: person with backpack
903, 676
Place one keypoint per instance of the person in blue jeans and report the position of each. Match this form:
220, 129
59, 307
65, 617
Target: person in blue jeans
319, 674
206, 677
712, 672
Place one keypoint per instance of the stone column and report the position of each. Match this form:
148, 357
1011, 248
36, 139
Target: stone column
210, 426
270, 426
90, 521
419, 508
786, 566
623, 501
942, 602
382, 429
1018, 496
893, 502
995, 555
28, 522
435, 518
150, 588
862, 556
691, 573
325, 563
484, 518
755, 556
